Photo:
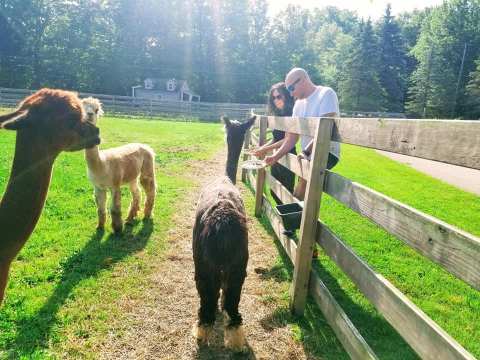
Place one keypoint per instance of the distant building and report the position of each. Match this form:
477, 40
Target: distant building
165, 89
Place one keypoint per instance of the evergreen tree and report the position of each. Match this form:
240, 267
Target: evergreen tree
392, 62
359, 86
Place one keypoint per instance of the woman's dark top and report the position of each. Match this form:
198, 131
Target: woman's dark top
279, 135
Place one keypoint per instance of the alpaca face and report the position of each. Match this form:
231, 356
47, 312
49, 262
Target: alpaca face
235, 131
93, 109
55, 118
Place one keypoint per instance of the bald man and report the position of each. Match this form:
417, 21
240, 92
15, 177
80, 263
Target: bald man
311, 101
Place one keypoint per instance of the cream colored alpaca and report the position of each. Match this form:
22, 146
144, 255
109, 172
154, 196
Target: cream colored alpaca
111, 168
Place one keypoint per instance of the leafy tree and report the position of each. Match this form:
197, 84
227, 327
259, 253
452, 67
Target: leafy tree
446, 49
473, 93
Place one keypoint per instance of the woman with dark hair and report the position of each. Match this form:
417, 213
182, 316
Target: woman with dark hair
280, 103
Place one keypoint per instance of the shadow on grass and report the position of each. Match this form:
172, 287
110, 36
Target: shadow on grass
34, 332
318, 338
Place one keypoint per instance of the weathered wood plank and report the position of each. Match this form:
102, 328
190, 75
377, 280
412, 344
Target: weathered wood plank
352, 341
288, 244
246, 145
252, 179
301, 126
255, 140
422, 333
280, 190
455, 250
261, 172
313, 194
299, 167
348, 335
451, 141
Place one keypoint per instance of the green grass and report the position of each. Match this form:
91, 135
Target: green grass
66, 283
63, 286
454, 305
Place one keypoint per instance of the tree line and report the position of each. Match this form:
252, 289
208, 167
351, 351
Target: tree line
424, 63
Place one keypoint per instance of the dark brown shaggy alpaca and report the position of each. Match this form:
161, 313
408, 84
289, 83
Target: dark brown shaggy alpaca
220, 246
47, 123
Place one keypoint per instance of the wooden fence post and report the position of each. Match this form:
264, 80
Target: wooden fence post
308, 227
261, 173
246, 145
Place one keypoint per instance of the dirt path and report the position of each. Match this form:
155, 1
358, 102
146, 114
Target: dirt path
161, 322
461, 177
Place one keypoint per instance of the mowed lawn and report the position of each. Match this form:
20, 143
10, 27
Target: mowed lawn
64, 285
450, 302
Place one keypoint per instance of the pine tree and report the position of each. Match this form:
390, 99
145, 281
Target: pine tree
359, 87
392, 62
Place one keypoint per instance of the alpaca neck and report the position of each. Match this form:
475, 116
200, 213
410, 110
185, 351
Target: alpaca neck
27, 188
232, 162
94, 161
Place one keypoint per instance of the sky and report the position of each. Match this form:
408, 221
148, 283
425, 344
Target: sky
365, 8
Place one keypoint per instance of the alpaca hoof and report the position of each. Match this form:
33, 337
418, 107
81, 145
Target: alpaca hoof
118, 230
234, 339
202, 333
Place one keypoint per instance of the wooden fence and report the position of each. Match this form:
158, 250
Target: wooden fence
454, 142
132, 106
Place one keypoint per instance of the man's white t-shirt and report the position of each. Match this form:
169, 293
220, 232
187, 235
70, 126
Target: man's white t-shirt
322, 101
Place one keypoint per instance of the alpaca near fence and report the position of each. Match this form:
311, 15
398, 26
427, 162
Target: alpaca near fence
220, 246
47, 123
111, 168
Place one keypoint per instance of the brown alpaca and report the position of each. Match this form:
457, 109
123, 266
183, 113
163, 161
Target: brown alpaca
220, 247
111, 168
47, 123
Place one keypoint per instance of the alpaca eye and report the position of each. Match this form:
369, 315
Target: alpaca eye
96, 111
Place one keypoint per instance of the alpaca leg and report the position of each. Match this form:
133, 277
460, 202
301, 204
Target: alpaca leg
148, 184
116, 210
101, 201
234, 336
4, 269
136, 198
208, 287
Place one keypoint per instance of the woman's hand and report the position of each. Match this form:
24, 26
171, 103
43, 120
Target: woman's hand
259, 152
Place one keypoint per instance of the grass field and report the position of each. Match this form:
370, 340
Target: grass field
454, 305
63, 286
61, 299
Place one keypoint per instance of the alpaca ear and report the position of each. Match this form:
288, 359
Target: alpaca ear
19, 120
226, 120
251, 121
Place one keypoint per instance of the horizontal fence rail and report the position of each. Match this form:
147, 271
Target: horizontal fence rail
457, 251
448, 141
133, 106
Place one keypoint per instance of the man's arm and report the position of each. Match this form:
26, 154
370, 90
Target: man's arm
288, 143
264, 149
308, 149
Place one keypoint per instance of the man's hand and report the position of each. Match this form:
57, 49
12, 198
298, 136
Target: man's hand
302, 156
